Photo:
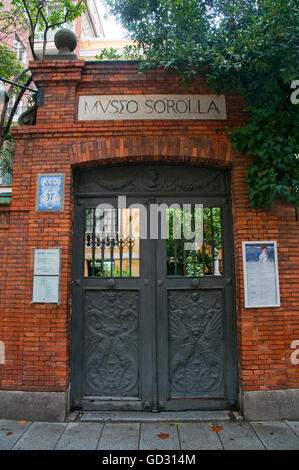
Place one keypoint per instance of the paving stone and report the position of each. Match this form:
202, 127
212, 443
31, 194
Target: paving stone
294, 425
80, 436
149, 439
276, 435
40, 436
10, 432
119, 436
164, 416
198, 436
239, 436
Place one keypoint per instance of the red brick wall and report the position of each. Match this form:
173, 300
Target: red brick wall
37, 336
265, 334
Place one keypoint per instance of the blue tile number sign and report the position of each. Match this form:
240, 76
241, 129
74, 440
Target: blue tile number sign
50, 192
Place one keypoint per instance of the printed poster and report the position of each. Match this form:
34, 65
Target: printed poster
261, 274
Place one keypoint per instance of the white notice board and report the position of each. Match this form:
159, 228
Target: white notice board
46, 275
260, 268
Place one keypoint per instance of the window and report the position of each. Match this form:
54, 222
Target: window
20, 50
6, 179
87, 29
22, 106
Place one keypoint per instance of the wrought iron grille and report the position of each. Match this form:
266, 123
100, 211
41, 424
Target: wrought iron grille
110, 252
205, 259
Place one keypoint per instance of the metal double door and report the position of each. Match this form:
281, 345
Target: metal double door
153, 323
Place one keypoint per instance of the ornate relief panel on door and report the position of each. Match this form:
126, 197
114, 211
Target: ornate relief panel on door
196, 343
111, 344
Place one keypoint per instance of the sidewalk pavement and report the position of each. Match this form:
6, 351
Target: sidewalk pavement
150, 431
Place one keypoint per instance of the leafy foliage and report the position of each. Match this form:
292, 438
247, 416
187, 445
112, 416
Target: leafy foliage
248, 47
9, 65
132, 52
7, 154
38, 16
33, 16
201, 261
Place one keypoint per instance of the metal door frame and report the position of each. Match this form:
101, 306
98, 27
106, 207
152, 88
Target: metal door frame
151, 380
81, 285
224, 283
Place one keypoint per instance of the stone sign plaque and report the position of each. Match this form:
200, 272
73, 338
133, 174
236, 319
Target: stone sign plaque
46, 275
172, 107
47, 262
46, 289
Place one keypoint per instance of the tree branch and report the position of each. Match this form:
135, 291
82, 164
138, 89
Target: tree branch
2, 122
16, 79
67, 13
46, 30
32, 29
5, 129
16, 103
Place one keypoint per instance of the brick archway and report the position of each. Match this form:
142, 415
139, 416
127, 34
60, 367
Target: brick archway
202, 150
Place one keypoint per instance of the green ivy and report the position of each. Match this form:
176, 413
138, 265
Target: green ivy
271, 137
9, 65
246, 47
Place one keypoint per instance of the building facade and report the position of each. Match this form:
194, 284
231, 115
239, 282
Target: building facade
87, 26
96, 314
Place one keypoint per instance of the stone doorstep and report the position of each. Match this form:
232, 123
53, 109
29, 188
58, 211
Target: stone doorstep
144, 417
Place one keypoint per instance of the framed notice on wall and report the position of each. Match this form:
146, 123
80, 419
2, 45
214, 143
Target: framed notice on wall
46, 275
260, 268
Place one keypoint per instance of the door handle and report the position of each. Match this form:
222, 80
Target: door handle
111, 283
